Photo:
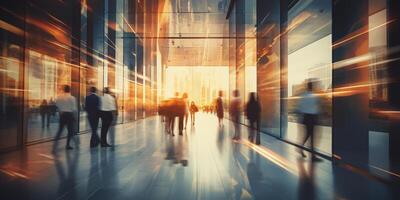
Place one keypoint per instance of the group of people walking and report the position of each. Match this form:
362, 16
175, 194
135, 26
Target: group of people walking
252, 111
104, 108
177, 107
97, 107
47, 110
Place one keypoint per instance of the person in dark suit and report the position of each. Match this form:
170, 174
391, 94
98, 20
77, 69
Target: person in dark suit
219, 107
253, 110
92, 106
182, 109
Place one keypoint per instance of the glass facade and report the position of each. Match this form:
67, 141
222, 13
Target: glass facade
296, 43
90, 43
310, 58
349, 51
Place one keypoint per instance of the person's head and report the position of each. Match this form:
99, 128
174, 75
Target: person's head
192, 103
176, 94
236, 93
185, 95
106, 90
93, 89
252, 96
44, 101
67, 89
220, 93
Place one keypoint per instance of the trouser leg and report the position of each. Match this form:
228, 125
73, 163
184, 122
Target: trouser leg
61, 124
186, 119
251, 131
181, 118
94, 123
43, 119
172, 125
310, 131
258, 139
48, 119
70, 127
106, 122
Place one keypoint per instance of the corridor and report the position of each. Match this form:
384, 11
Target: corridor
146, 163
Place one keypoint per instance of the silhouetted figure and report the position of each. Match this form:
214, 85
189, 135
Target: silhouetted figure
181, 109
92, 106
44, 113
67, 106
107, 107
165, 111
173, 112
193, 110
253, 110
219, 108
234, 111
186, 118
309, 108
114, 121
52, 109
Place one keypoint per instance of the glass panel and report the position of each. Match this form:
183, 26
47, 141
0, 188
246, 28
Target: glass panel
250, 50
11, 66
379, 134
310, 60
268, 65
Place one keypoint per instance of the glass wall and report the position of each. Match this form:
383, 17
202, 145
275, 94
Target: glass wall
47, 65
11, 73
242, 50
91, 43
268, 65
310, 60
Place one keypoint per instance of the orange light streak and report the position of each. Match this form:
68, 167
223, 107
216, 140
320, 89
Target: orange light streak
351, 36
272, 156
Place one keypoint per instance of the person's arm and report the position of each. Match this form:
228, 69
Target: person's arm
74, 104
85, 104
116, 105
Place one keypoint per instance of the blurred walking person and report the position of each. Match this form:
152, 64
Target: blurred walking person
92, 106
184, 98
107, 108
67, 106
182, 110
52, 109
234, 111
44, 113
219, 107
309, 109
173, 112
253, 110
193, 109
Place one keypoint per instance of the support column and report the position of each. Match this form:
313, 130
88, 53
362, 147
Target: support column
350, 104
393, 32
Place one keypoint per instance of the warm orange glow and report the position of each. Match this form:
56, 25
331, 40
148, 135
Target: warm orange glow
201, 83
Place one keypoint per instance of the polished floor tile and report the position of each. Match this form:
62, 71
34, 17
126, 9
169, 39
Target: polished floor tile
204, 163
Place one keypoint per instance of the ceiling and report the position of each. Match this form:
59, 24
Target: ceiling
194, 33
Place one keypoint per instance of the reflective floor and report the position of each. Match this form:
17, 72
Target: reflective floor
205, 163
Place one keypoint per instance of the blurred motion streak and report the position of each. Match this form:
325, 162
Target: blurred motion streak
14, 174
272, 156
359, 33
13, 29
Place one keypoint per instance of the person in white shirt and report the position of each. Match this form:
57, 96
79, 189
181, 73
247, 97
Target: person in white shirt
107, 107
309, 109
67, 106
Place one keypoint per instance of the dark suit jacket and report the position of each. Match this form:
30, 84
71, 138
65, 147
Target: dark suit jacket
92, 104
